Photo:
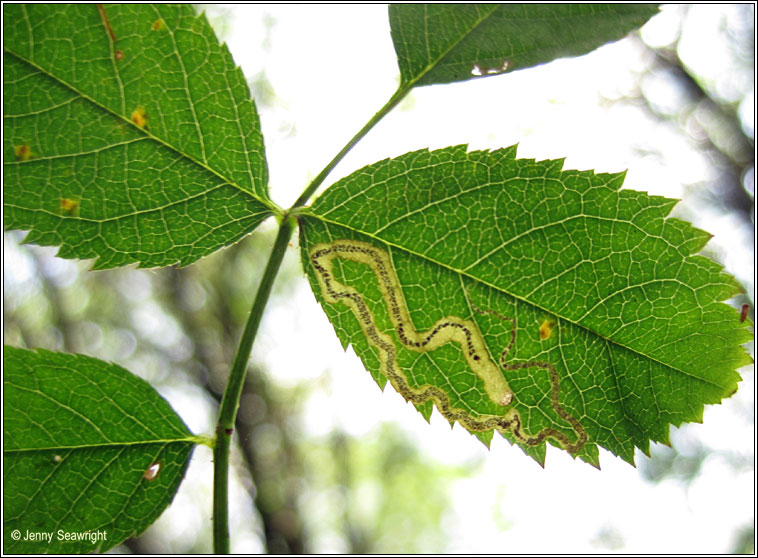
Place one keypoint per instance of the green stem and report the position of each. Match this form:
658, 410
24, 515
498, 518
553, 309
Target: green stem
316, 182
230, 403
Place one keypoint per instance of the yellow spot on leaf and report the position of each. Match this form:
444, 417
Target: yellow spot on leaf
159, 25
152, 471
69, 206
23, 152
546, 329
139, 117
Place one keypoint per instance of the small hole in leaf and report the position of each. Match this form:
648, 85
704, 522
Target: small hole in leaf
152, 471
504, 67
481, 69
57, 459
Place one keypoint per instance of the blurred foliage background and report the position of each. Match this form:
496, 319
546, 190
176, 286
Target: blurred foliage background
300, 491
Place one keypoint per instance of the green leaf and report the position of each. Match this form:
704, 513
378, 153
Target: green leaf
594, 311
80, 438
442, 43
130, 136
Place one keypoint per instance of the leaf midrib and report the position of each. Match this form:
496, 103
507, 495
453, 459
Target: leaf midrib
187, 439
505, 292
148, 211
270, 205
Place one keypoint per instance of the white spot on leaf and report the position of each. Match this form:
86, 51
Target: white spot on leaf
152, 471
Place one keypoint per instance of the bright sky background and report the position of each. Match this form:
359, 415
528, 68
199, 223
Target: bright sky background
331, 68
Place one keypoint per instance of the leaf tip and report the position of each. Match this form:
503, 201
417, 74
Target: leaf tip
485, 437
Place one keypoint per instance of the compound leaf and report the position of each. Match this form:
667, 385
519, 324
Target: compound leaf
130, 136
92, 454
442, 43
546, 304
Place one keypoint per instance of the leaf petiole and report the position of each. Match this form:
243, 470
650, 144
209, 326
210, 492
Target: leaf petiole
398, 96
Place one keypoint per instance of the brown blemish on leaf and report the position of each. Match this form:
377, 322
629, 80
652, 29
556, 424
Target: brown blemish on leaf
158, 25
152, 471
139, 117
104, 17
743, 312
546, 329
118, 55
23, 152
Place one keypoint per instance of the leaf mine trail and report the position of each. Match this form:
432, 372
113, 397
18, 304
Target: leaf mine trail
448, 329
